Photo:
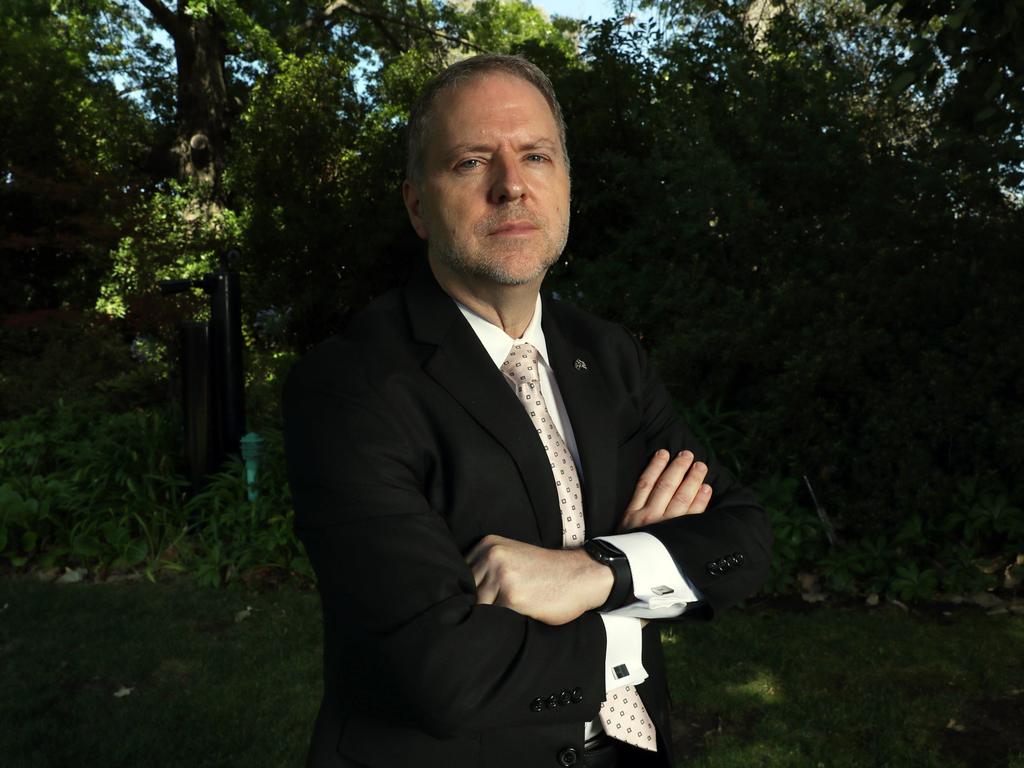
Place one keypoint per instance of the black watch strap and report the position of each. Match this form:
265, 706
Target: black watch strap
613, 557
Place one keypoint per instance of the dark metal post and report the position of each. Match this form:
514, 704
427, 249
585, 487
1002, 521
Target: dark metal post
196, 401
213, 383
226, 347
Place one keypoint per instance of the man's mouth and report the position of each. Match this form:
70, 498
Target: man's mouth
517, 227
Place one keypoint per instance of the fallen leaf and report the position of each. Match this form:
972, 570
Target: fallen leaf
872, 600
899, 604
953, 725
121, 692
243, 614
812, 597
72, 575
997, 611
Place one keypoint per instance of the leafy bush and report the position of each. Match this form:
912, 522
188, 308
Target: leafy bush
233, 535
80, 357
106, 492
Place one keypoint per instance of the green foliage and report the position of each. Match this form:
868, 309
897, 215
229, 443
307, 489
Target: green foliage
824, 267
716, 428
301, 165
504, 27
798, 539
63, 171
789, 248
967, 56
179, 233
106, 492
82, 359
100, 492
235, 535
922, 556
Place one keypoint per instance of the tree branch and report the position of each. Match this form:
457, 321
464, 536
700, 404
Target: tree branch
165, 17
378, 19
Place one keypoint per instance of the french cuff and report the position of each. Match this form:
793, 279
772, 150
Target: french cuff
661, 590
623, 657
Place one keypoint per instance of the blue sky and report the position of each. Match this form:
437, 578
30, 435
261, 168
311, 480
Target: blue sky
580, 9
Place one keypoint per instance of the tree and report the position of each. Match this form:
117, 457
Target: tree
973, 52
72, 152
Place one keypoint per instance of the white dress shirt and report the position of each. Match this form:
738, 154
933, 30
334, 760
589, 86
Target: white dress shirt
661, 591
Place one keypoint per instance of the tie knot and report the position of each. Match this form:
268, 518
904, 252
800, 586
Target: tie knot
521, 365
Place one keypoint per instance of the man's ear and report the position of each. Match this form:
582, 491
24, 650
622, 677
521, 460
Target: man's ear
411, 196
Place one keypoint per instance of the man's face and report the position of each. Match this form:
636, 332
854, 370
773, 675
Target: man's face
493, 202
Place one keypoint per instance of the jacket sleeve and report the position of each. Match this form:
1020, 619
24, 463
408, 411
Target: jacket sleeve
393, 578
725, 552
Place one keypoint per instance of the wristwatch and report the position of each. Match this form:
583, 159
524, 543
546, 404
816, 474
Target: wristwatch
613, 557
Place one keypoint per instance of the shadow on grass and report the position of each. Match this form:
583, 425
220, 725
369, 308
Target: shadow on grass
156, 675
172, 675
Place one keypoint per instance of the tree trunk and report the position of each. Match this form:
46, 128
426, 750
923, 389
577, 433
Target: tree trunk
200, 49
202, 135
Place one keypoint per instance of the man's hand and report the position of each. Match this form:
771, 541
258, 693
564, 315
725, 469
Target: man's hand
551, 585
667, 489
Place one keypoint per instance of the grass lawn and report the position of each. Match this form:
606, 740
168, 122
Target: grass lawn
135, 674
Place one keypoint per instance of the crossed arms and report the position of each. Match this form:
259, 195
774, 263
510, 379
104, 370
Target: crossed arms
393, 484
531, 580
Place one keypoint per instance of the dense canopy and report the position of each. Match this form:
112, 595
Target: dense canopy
811, 211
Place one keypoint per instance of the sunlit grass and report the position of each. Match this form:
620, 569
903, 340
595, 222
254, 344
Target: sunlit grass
762, 687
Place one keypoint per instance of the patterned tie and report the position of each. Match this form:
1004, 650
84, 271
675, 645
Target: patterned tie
522, 368
623, 714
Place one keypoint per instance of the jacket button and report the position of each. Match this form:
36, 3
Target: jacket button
564, 698
733, 560
723, 564
577, 695
713, 569
552, 701
537, 704
568, 756
738, 556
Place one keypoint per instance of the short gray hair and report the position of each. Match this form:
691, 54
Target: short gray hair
461, 72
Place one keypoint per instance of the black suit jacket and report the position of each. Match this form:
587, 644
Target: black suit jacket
404, 447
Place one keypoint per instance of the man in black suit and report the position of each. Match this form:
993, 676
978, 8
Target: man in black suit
450, 454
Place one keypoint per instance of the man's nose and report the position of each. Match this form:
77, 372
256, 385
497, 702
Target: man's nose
507, 184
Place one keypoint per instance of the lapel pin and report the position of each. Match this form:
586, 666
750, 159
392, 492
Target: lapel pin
580, 365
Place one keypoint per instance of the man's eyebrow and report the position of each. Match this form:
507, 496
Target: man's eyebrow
538, 143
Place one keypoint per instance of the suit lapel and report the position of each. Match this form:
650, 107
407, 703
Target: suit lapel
460, 364
588, 403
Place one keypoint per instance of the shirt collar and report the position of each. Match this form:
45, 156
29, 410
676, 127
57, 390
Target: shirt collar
498, 343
